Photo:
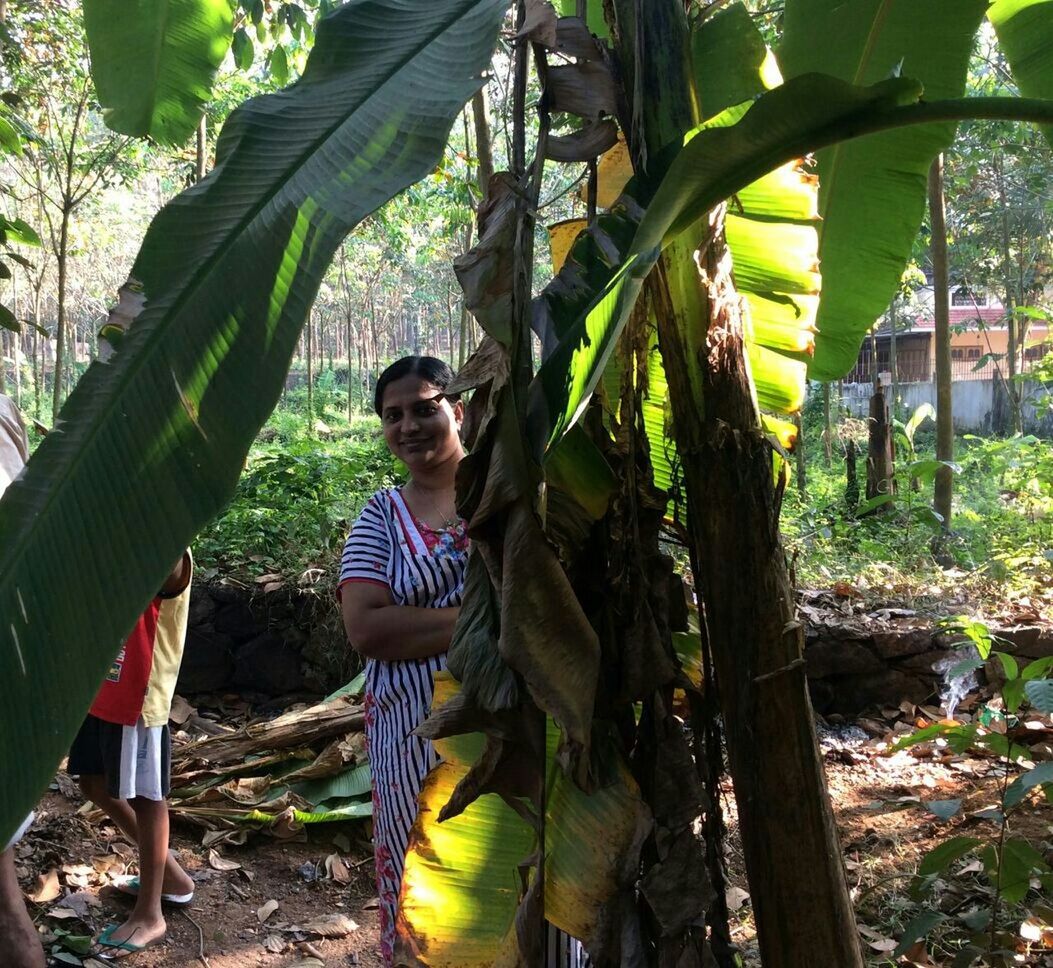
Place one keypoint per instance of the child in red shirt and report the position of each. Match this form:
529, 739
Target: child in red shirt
123, 764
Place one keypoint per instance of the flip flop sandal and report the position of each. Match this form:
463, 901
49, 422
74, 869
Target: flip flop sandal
113, 950
130, 885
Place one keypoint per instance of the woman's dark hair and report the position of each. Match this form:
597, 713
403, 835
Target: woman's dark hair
428, 368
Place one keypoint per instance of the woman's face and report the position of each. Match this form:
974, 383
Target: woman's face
421, 427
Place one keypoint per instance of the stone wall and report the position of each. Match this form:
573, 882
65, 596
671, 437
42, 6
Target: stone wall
853, 665
242, 639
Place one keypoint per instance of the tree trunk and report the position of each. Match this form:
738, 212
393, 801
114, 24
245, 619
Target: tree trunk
310, 373
201, 154
892, 362
1012, 386
483, 149
785, 817
940, 283
880, 463
798, 452
851, 480
827, 430
793, 858
62, 259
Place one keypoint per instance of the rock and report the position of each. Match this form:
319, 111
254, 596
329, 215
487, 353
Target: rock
900, 642
1032, 641
921, 665
202, 606
236, 620
268, 664
832, 657
208, 661
850, 695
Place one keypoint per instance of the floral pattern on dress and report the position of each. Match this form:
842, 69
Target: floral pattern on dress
445, 542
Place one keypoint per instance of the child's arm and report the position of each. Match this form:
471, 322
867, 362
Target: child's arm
177, 581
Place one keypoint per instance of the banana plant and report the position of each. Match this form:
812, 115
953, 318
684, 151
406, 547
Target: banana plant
150, 444
153, 63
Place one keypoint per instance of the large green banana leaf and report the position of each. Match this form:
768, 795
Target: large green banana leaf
461, 885
149, 446
1025, 34
872, 192
716, 163
771, 232
153, 62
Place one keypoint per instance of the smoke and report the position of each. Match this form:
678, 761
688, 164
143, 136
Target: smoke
956, 687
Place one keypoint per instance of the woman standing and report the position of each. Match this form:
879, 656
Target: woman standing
400, 584
401, 581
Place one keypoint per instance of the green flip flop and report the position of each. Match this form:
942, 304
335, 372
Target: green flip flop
110, 947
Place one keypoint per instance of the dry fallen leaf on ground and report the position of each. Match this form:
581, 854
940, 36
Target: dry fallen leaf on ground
221, 863
736, 897
336, 867
266, 910
331, 926
47, 889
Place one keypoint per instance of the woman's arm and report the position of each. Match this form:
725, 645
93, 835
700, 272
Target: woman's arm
379, 629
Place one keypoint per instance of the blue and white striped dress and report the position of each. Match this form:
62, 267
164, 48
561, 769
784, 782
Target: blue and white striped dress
386, 546
389, 547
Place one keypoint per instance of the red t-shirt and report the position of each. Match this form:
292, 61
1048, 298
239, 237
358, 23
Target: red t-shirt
121, 696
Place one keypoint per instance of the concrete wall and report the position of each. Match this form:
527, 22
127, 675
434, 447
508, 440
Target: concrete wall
972, 401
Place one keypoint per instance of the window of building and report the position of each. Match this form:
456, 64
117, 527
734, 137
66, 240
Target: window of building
972, 353
967, 297
957, 354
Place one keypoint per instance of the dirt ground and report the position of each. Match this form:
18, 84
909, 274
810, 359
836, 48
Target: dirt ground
223, 922
883, 804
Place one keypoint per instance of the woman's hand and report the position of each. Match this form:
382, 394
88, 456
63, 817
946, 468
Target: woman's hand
379, 629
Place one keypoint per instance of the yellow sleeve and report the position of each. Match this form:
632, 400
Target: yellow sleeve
168, 656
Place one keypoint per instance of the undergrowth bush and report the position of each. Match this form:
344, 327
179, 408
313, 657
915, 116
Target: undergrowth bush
303, 484
1001, 542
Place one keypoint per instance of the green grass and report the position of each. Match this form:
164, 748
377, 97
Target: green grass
1002, 525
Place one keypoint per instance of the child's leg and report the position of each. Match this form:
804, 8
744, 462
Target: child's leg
176, 880
146, 922
18, 937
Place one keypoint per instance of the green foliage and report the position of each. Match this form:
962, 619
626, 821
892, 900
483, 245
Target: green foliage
298, 495
1002, 538
879, 182
1009, 863
152, 443
153, 69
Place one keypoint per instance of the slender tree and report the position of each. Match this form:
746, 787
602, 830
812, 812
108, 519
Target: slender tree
944, 399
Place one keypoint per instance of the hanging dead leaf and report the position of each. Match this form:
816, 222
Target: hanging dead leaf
47, 889
341, 843
331, 926
539, 23
372, 904
221, 863
266, 910
336, 867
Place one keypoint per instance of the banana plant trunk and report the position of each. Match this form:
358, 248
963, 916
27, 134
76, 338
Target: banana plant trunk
793, 857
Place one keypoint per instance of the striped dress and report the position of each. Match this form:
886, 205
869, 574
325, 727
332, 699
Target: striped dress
420, 567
